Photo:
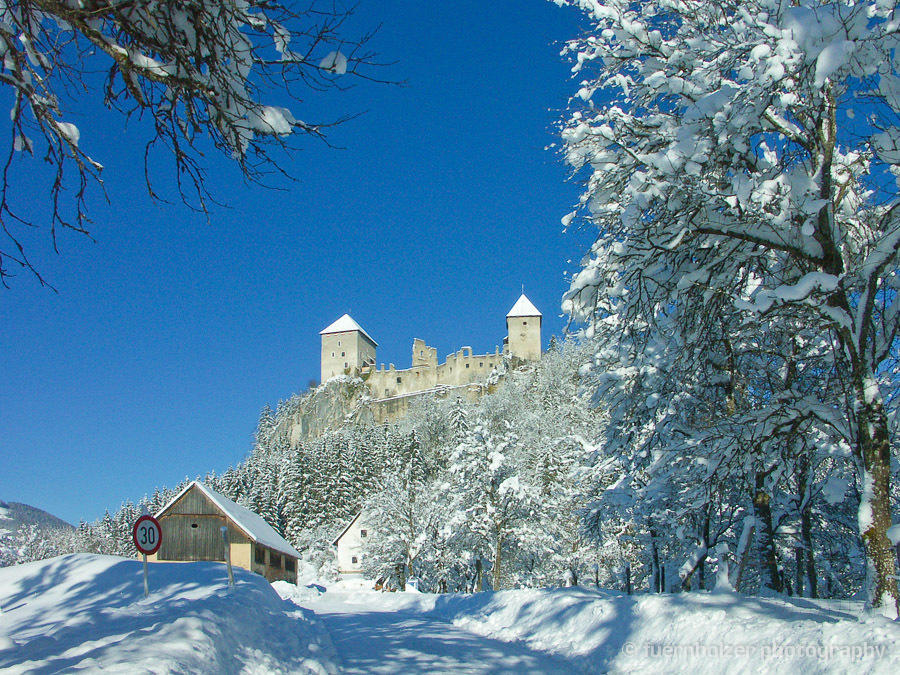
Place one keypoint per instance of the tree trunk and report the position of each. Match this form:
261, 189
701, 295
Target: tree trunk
806, 560
498, 543
496, 572
809, 560
765, 538
654, 563
691, 565
875, 507
743, 548
478, 575
701, 566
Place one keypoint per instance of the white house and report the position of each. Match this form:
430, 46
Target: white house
348, 545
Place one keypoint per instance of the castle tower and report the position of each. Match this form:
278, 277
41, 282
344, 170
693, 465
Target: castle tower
346, 348
523, 325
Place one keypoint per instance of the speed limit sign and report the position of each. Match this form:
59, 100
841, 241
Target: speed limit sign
147, 535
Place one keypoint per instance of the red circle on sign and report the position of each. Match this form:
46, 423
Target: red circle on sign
147, 535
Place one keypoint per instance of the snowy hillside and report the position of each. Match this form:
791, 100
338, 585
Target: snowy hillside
598, 632
88, 612
14, 516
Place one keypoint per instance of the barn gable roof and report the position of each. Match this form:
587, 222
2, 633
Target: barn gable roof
344, 531
252, 524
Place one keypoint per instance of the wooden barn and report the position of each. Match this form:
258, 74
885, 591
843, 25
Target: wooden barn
191, 530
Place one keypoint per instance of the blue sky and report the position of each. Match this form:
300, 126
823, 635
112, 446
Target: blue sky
168, 335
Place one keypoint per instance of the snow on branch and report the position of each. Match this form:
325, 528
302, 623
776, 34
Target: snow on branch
199, 70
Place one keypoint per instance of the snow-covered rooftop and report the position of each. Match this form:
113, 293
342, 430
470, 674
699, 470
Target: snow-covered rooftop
353, 520
523, 307
346, 324
251, 523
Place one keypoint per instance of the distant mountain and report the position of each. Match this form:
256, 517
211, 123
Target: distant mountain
14, 516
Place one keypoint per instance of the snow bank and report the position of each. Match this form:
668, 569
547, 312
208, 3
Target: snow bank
88, 612
692, 632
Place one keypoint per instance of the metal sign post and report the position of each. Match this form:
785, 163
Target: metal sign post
224, 531
147, 536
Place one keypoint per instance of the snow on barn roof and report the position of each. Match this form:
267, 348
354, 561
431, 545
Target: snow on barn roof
346, 324
523, 307
250, 523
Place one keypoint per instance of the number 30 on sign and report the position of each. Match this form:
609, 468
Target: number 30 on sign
147, 535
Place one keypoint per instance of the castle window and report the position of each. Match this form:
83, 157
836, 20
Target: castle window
354, 560
481, 364
343, 354
346, 365
363, 533
467, 365
332, 353
339, 343
422, 352
524, 323
399, 380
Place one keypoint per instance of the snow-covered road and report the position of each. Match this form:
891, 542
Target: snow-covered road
410, 640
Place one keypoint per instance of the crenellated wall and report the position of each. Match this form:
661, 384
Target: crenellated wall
460, 368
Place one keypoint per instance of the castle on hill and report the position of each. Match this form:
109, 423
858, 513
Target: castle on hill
348, 349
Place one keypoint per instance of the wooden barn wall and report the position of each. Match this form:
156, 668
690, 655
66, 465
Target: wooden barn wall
194, 502
182, 541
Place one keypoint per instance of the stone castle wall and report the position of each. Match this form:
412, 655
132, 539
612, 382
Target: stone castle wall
460, 369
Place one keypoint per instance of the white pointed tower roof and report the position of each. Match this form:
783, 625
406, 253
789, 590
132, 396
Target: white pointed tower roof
346, 324
523, 307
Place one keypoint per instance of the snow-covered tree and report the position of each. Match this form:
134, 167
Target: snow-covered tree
745, 151
200, 72
491, 492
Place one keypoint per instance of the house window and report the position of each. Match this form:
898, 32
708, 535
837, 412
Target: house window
290, 565
363, 533
259, 555
274, 560
354, 560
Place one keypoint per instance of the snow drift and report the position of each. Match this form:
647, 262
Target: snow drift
598, 631
89, 612
603, 631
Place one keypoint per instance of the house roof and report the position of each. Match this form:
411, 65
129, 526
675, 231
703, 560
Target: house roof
523, 307
344, 531
346, 324
252, 524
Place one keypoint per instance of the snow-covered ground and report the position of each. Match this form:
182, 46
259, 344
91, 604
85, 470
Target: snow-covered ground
599, 631
88, 612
